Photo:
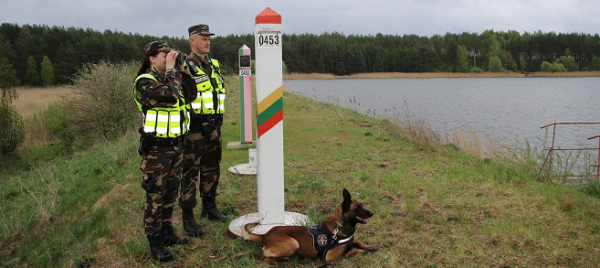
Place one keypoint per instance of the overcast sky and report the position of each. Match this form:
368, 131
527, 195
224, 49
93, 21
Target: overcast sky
396, 17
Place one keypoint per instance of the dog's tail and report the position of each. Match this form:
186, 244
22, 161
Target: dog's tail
247, 235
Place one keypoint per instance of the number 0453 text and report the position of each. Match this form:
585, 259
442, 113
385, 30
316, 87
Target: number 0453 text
269, 40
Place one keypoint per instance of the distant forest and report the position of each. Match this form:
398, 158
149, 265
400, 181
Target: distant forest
34, 52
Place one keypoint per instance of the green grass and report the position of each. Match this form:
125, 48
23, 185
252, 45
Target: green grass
435, 206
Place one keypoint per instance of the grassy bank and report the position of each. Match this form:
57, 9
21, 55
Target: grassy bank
435, 206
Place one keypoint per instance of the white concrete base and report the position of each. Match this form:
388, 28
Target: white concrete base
239, 145
291, 219
246, 169
243, 169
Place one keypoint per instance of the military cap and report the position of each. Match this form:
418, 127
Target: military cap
200, 29
155, 47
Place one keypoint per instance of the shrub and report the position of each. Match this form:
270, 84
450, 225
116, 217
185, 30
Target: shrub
495, 65
103, 107
558, 67
552, 67
546, 66
476, 70
55, 120
12, 133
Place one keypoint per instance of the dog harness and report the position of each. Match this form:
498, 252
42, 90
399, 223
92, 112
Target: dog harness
323, 242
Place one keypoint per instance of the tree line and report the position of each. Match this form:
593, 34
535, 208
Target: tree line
35, 55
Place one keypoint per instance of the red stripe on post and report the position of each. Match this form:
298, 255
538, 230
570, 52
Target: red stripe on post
268, 16
267, 125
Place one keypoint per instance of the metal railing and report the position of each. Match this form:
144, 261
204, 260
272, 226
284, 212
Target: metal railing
550, 152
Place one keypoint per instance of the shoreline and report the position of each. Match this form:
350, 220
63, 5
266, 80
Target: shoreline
296, 76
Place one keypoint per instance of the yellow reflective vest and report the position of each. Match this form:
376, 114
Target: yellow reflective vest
163, 122
211, 93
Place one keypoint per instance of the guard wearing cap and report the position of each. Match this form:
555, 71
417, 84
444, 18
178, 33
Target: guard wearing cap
161, 91
202, 152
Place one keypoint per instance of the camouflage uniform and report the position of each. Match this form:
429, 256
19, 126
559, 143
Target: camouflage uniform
162, 158
203, 150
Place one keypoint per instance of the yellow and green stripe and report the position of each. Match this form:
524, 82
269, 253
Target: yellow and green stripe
270, 111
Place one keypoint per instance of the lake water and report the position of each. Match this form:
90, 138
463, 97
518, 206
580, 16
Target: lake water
507, 109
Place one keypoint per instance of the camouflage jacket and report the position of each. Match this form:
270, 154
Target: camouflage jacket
165, 92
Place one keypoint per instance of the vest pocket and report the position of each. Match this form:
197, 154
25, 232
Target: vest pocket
164, 124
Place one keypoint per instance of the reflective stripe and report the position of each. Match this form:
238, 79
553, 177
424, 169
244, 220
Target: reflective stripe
174, 121
207, 100
169, 122
161, 131
162, 117
204, 103
175, 118
148, 129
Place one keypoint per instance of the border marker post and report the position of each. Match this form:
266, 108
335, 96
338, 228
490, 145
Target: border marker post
269, 99
245, 74
245, 64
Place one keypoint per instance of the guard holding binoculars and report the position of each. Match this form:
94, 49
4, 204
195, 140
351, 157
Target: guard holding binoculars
202, 150
162, 90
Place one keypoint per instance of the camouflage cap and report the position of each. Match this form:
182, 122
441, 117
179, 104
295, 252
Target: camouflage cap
155, 47
200, 29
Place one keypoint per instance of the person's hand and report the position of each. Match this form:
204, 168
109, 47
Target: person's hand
170, 60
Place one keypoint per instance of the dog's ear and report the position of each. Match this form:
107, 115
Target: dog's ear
347, 200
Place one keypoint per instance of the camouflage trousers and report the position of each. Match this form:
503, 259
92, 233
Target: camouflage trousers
201, 159
161, 168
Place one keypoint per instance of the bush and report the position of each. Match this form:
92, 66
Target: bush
476, 70
558, 67
495, 65
55, 120
12, 133
552, 67
546, 67
103, 107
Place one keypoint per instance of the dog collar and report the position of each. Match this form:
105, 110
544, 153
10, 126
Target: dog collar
341, 241
345, 240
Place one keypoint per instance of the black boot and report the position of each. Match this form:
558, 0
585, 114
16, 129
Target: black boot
158, 250
210, 211
169, 237
189, 223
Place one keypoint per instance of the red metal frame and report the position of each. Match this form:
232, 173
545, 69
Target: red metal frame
550, 150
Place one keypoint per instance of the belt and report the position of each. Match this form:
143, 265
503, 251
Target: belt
199, 120
207, 116
170, 141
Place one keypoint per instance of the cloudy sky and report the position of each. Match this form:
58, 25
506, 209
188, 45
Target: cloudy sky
420, 17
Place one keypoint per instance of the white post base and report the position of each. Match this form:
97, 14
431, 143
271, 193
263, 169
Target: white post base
291, 219
246, 169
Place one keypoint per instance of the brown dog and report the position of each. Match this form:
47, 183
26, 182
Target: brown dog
331, 240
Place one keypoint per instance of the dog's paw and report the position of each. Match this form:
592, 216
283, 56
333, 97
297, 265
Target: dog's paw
371, 249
